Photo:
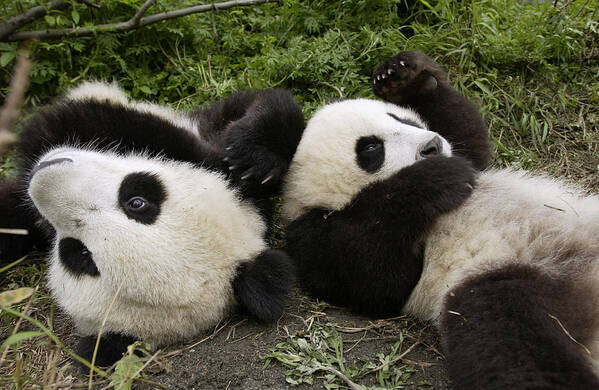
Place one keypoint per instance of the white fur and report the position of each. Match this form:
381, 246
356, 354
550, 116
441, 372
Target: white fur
112, 93
511, 216
324, 171
175, 274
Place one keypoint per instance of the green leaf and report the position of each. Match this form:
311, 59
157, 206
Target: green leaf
125, 371
12, 297
145, 89
17, 338
7, 57
75, 16
50, 20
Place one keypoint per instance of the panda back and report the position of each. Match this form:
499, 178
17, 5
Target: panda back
512, 217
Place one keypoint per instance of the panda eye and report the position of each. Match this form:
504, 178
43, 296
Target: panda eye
137, 203
371, 147
370, 153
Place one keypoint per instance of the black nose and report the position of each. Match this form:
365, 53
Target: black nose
431, 148
45, 164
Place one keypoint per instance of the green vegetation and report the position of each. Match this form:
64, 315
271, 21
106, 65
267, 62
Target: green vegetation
532, 69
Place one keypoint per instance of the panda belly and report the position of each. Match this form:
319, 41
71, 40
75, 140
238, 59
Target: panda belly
511, 218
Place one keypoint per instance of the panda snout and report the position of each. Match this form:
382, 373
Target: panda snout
45, 164
431, 148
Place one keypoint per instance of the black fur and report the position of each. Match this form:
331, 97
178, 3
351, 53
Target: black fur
419, 83
506, 329
262, 285
76, 258
146, 189
370, 153
408, 122
257, 131
110, 350
368, 256
258, 137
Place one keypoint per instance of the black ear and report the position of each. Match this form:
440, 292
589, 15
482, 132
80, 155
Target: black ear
262, 285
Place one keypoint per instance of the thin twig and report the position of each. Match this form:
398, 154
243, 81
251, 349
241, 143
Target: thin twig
14, 100
16, 232
400, 357
569, 335
13, 24
134, 23
352, 385
89, 4
93, 362
213, 335
14, 263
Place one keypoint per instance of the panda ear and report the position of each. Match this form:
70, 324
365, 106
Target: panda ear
261, 286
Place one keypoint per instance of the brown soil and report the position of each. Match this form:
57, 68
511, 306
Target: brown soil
231, 359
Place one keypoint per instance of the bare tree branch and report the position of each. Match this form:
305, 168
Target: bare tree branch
16, 22
14, 101
134, 23
89, 4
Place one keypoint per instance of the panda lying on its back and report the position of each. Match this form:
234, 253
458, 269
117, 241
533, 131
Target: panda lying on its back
140, 205
389, 215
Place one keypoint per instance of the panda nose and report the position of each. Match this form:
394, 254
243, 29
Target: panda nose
45, 164
434, 147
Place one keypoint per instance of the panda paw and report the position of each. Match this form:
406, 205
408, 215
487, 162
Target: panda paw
111, 348
251, 164
452, 178
406, 75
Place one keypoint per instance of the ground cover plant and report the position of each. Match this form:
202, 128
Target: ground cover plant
533, 69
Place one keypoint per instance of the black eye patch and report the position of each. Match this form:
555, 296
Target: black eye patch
140, 196
408, 122
76, 258
370, 153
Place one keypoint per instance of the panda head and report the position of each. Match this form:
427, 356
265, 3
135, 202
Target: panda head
165, 234
350, 144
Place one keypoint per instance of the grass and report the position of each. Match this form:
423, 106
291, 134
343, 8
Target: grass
532, 69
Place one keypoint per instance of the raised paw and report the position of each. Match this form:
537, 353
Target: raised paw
408, 74
252, 166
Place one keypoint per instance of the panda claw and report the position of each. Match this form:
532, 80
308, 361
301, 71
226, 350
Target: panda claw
383, 76
378, 77
233, 167
390, 72
247, 175
402, 63
267, 179
228, 148
226, 159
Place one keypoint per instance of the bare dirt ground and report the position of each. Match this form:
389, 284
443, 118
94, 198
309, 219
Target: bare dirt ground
231, 359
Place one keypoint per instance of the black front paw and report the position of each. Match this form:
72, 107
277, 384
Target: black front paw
251, 164
453, 178
406, 75
442, 182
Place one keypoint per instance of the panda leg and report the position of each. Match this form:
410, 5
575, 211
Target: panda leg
412, 79
258, 132
110, 349
261, 286
517, 328
19, 232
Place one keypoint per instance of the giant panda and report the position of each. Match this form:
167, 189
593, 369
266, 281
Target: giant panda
390, 210
155, 220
